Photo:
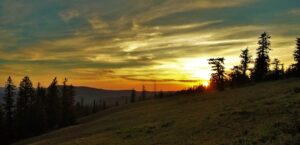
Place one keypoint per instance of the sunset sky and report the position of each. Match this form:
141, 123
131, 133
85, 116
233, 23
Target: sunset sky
123, 44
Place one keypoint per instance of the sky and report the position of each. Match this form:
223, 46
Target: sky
124, 44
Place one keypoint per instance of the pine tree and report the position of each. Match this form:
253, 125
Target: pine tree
246, 59
72, 113
68, 108
9, 102
39, 111
262, 61
41, 93
218, 77
297, 57
25, 103
65, 102
53, 106
276, 64
236, 76
277, 72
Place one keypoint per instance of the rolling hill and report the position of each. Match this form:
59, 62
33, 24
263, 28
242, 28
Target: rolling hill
262, 114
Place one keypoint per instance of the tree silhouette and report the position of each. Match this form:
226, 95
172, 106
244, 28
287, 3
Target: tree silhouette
218, 77
72, 116
278, 69
53, 106
297, 57
68, 114
9, 102
236, 76
262, 61
40, 109
24, 107
246, 59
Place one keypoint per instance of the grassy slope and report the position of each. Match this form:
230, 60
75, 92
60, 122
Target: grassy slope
260, 114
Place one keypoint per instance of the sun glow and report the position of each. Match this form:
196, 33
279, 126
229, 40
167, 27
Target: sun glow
205, 84
197, 68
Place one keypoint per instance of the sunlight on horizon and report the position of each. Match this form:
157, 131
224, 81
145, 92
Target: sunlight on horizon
205, 84
197, 68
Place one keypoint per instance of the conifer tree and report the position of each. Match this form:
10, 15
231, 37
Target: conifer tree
236, 76
276, 64
262, 61
25, 103
39, 110
278, 71
9, 103
68, 108
218, 77
72, 93
246, 59
53, 106
297, 57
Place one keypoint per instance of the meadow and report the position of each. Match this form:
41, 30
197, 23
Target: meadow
265, 113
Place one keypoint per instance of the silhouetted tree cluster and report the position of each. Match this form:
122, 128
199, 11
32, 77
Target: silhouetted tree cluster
192, 90
242, 74
88, 109
31, 111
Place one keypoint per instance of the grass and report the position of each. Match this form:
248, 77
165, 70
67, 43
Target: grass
263, 114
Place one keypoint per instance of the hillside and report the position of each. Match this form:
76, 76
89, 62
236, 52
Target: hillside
267, 113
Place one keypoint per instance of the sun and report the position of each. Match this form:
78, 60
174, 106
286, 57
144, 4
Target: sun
196, 68
205, 84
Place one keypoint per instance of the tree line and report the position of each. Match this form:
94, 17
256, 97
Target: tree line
27, 111
242, 74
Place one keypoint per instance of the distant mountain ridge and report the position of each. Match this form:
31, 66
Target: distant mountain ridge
89, 95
